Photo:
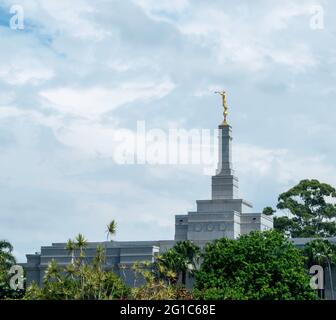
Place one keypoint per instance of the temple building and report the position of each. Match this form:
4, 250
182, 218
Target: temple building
224, 215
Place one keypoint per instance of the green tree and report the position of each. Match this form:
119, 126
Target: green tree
321, 252
154, 288
6, 256
81, 244
257, 266
311, 208
179, 260
111, 229
78, 281
71, 247
188, 256
7, 260
268, 211
166, 266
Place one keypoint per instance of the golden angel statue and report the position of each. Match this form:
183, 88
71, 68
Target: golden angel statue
225, 113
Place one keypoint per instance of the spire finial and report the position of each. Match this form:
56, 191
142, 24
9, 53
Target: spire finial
225, 113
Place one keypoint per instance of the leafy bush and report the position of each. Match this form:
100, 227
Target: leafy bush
258, 266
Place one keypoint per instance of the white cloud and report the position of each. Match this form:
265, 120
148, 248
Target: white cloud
9, 112
72, 18
157, 10
246, 43
6, 98
298, 59
22, 72
93, 102
280, 165
91, 139
282, 14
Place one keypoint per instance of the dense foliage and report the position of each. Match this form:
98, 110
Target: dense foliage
311, 208
320, 252
156, 288
7, 260
268, 211
260, 265
79, 280
177, 262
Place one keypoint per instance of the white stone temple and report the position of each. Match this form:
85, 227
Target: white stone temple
224, 215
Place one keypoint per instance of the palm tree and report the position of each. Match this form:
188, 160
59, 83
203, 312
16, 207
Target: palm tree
99, 258
188, 256
71, 246
111, 229
167, 265
180, 259
81, 243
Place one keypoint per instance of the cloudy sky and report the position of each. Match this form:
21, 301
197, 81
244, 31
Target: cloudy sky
78, 72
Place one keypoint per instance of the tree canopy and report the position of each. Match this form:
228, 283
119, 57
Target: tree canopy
7, 260
178, 261
320, 252
258, 266
268, 211
311, 208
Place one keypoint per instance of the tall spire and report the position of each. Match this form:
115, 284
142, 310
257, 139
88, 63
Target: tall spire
224, 183
224, 166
